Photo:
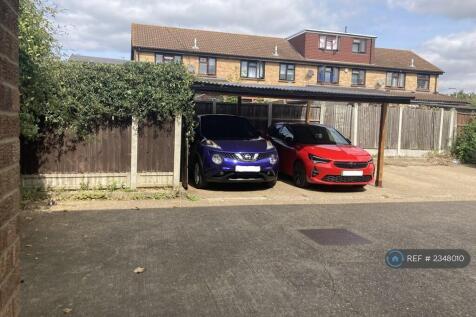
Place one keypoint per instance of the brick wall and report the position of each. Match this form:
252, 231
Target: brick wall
9, 158
308, 45
229, 69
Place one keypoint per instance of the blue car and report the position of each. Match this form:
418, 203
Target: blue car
228, 149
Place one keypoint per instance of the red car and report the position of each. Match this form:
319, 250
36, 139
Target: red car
317, 154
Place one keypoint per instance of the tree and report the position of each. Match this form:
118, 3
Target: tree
465, 96
39, 52
59, 97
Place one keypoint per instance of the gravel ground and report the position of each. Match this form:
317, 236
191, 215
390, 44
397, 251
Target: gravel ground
405, 180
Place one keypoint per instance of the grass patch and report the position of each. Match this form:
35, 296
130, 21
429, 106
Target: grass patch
192, 197
39, 197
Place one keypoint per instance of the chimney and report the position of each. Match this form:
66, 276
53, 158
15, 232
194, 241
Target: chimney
195, 46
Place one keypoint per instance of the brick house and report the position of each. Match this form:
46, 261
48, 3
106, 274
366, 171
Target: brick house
307, 58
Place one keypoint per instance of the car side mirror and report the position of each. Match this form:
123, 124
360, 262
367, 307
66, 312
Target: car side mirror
288, 140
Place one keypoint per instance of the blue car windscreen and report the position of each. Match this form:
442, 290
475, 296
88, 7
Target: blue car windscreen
227, 128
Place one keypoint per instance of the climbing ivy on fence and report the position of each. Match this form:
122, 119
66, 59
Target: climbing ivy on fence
85, 96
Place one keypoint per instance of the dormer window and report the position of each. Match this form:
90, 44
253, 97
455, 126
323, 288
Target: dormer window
359, 46
328, 42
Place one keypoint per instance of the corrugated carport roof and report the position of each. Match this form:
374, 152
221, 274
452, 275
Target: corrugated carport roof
325, 93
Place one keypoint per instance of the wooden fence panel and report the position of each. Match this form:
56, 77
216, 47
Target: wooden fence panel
108, 150
339, 116
392, 127
156, 147
227, 108
420, 129
283, 112
368, 126
420, 125
203, 107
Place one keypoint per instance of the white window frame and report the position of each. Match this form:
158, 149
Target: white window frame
329, 42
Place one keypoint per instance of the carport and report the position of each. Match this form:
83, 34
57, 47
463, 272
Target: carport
315, 93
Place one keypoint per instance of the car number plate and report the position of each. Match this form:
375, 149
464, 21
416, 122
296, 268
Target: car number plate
352, 173
239, 168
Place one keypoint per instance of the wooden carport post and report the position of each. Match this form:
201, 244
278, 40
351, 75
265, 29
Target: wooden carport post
381, 144
308, 111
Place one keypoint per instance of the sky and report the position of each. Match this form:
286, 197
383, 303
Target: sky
442, 31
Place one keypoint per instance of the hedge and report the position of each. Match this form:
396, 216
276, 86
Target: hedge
465, 145
81, 97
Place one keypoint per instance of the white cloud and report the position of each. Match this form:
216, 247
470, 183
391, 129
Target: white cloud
456, 55
457, 9
104, 26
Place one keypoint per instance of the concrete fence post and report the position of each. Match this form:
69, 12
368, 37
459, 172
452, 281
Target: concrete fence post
270, 114
400, 122
355, 123
451, 130
214, 106
134, 151
177, 150
440, 136
322, 113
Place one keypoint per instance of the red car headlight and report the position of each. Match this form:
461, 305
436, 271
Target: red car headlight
316, 159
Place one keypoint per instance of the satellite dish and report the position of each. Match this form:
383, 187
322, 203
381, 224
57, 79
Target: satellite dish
191, 69
310, 73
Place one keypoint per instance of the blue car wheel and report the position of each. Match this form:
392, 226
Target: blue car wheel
198, 178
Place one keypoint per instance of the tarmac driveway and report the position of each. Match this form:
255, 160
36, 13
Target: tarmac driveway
245, 261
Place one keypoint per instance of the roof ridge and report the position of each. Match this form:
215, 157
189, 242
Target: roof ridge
395, 49
210, 31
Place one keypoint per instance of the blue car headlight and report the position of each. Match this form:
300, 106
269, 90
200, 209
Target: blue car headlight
210, 143
273, 159
217, 159
269, 145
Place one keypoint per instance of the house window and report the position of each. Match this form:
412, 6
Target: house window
207, 66
358, 77
423, 82
327, 42
286, 72
328, 75
252, 69
395, 80
359, 46
167, 58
